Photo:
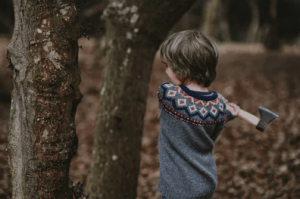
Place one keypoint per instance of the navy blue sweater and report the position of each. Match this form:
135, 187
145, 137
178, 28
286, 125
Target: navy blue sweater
190, 123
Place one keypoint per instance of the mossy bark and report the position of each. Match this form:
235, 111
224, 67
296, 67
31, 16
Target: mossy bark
43, 55
134, 31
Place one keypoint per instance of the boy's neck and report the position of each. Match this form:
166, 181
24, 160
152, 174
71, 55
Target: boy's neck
196, 87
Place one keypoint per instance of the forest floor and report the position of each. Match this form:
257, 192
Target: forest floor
250, 164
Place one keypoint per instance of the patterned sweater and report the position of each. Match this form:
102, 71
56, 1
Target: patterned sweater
190, 123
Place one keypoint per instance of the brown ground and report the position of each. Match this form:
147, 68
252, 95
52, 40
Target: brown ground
250, 164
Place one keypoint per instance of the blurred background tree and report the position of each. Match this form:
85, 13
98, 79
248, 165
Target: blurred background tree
134, 30
271, 22
245, 21
6, 18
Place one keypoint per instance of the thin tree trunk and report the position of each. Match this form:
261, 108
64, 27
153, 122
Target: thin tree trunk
253, 30
270, 35
223, 21
184, 23
210, 21
134, 31
42, 138
101, 49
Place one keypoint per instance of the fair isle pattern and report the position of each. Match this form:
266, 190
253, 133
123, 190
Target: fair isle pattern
186, 108
196, 101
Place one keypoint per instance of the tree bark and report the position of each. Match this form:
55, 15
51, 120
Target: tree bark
43, 55
134, 31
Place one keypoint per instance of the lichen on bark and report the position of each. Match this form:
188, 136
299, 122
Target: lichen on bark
44, 57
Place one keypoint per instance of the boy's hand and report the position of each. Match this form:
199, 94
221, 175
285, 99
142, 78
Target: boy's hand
233, 108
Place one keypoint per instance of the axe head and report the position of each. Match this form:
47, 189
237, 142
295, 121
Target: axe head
266, 116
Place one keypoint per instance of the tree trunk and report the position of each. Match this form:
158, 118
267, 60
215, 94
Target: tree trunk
43, 55
252, 34
270, 35
134, 31
223, 20
101, 49
210, 21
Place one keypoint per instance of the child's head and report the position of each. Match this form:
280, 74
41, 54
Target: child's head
192, 56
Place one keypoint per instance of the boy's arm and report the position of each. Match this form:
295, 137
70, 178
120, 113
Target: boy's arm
232, 111
228, 116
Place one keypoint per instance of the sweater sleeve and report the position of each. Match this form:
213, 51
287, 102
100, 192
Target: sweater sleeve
228, 116
160, 94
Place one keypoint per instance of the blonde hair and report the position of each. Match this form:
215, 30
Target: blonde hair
192, 56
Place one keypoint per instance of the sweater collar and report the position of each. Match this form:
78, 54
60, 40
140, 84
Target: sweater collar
206, 96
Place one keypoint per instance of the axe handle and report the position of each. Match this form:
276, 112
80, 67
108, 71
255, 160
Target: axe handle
248, 117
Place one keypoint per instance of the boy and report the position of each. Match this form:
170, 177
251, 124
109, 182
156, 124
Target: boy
191, 117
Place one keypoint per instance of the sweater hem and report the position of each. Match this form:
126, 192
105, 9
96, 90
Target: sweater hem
169, 193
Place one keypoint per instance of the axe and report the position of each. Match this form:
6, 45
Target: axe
266, 116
